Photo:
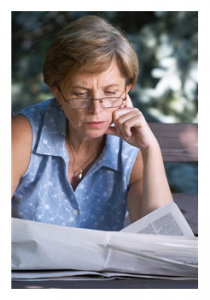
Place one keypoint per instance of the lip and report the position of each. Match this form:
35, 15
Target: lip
96, 124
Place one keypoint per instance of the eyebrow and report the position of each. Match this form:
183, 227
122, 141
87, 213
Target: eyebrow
83, 87
110, 85
78, 87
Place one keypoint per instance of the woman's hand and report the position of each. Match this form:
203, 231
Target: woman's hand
131, 126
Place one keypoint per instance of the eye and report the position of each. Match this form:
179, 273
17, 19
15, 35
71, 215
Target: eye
109, 93
80, 94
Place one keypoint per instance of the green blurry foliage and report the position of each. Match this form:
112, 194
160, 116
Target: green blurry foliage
167, 47
166, 44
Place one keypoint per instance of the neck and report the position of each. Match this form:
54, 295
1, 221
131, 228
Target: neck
81, 143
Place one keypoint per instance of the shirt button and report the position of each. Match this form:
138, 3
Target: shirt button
75, 212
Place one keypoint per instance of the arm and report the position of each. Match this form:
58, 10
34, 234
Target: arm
21, 148
156, 191
149, 188
134, 197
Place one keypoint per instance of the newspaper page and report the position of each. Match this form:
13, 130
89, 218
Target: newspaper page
41, 246
37, 246
153, 254
166, 220
180, 245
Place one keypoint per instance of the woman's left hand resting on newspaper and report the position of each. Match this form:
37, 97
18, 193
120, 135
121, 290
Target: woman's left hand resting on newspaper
68, 168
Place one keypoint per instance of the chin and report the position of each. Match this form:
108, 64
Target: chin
95, 133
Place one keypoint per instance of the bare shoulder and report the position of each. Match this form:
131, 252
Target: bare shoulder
137, 170
21, 130
21, 147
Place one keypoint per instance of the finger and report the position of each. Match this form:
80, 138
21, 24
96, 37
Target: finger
134, 122
125, 114
123, 127
125, 123
113, 131
122, 111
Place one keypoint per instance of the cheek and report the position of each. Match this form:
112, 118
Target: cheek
109, 116
75, 117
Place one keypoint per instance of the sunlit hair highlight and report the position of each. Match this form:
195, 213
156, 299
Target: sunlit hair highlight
89, 45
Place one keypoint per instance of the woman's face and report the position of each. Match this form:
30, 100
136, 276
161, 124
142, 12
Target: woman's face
94, 120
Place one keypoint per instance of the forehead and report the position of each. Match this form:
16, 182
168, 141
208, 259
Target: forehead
111, 76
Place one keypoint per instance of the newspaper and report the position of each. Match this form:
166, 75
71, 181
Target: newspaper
167, 220
143, 248
42, 275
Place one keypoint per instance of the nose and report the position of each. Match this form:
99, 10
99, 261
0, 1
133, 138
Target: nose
95, 106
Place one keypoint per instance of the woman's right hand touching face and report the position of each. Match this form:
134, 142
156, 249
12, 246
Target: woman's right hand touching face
131, 126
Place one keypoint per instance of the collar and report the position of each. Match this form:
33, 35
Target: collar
53, 131
52, 140
110, 157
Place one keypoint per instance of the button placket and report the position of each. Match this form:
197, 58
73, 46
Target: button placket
75, 212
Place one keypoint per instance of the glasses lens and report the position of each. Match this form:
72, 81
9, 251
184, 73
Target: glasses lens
79, 103
112, 102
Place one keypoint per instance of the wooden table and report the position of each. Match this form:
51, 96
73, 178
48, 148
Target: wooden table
131, 283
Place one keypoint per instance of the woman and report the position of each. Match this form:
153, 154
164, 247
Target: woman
82, 157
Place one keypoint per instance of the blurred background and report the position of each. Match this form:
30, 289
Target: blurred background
167, 46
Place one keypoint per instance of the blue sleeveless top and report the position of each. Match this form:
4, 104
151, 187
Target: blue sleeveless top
44, 193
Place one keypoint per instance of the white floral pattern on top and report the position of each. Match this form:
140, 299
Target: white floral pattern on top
44, 193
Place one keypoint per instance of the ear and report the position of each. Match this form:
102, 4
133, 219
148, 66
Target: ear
56, 93
127, 88
128, 102
54, 90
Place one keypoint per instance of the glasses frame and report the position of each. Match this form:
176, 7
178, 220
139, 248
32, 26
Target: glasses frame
99, 99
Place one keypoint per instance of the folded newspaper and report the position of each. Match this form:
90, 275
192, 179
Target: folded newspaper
159, 244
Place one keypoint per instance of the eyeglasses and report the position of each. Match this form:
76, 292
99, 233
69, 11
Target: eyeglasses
107, 102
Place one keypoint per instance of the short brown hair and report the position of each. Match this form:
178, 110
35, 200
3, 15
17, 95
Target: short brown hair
89, 45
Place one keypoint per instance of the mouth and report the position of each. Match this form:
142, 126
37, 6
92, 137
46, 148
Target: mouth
96, 124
